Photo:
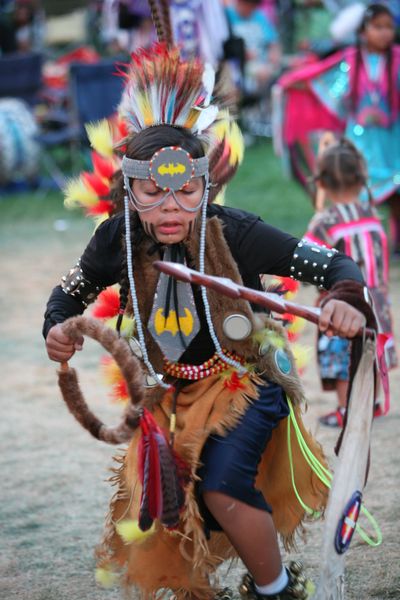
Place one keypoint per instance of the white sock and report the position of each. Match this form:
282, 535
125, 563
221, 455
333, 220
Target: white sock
275, 586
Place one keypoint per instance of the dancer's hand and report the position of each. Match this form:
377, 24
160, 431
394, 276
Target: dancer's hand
339, 318
59, 346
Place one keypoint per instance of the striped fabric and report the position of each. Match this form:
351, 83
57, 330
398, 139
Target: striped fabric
356, 230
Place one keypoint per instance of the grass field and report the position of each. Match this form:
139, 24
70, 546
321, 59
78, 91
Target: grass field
259, 187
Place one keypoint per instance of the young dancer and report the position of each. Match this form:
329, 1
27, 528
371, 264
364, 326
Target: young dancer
355, 92
353, 227
231, 369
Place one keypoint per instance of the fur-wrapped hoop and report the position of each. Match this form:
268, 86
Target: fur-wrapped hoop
130, 368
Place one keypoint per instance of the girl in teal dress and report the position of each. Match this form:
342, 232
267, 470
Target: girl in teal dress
355, 92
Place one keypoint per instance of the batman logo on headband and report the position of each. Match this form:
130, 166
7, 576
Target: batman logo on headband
171, 168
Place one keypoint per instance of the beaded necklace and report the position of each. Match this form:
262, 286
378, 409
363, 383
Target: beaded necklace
212, 366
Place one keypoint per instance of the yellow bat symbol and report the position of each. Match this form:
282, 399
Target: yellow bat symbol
171, 169
170, 323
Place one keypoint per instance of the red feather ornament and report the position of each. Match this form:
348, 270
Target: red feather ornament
102, 207
97, 183
114, 377
160, 474
233, 382
104, 167
107, 304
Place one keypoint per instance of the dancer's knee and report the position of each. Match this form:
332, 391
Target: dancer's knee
220, 504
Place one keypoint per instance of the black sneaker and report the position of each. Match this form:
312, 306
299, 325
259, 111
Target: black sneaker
296, 588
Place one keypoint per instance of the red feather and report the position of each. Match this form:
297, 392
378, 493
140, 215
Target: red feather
103, 166
120, 392
288, 317
149, 473
99, 185
107, 304
289, 285
233, 382
102, 207
162, 476
123, 129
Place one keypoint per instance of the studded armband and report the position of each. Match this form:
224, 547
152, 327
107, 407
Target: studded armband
75, 284
310, 262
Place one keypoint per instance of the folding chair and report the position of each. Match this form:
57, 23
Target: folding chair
96, 91
21, 76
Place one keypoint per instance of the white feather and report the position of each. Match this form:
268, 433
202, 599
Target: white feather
207, 116
208, 80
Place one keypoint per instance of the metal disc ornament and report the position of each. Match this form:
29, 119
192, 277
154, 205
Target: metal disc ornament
237, 327
283, 362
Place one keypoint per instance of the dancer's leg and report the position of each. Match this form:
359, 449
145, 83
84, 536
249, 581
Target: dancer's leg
251, 532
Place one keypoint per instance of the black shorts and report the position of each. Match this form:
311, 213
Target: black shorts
230, 462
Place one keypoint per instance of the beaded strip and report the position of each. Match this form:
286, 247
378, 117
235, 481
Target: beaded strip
135, 304
212, 366
223, 356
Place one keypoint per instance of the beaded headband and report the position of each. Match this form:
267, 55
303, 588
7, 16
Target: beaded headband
170, 168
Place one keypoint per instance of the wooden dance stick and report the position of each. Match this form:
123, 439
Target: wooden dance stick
227, 287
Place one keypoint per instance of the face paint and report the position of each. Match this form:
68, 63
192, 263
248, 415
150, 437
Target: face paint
149, 229
192, 225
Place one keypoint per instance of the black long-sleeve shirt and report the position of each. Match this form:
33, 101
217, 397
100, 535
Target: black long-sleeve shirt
256, 247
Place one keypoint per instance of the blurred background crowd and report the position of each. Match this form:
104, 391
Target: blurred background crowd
56, 56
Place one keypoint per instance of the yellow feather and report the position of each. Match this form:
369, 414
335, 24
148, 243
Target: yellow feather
310, 588
230, 130
146, 109
130, 532
77, 194
98, 219
192, 118
236, 142
105, 577
220, 127
267, 337
296, 326
100, 137
111, 372
220, 197
301, 355
127, 325
289, 295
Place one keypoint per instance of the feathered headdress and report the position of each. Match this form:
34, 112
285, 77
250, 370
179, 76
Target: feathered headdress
162, 88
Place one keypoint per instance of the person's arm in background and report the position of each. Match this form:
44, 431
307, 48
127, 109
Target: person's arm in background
273, 50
